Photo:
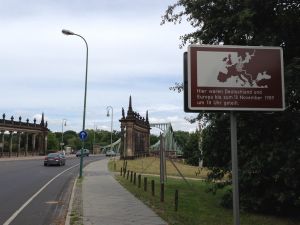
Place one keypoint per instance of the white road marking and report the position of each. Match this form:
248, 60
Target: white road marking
7, 222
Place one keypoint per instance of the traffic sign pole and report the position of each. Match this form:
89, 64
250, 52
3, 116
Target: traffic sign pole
83, 136
81, 160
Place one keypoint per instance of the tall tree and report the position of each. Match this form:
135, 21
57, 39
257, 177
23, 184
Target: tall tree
53, 142
268, 143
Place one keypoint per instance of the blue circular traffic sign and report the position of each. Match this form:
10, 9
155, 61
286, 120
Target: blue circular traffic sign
83, 135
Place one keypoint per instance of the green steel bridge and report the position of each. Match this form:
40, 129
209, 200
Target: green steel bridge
168, 141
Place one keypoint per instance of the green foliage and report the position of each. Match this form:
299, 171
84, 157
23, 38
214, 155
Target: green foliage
191, 151
71, 139
268, 143
181, 137
189, 142
53, 142
153, 139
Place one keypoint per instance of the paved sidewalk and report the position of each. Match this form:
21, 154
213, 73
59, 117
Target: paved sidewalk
106, 202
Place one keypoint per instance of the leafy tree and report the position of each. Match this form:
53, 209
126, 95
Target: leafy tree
53, 143
268, 143
191, 150
153, 139
181, 138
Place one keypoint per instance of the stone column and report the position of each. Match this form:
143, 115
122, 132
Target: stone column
39, 147
129, 141
19, 143
2, 137
40, 143
147, 141
122, 142
45, 144
10, 143
26, 145
33, 143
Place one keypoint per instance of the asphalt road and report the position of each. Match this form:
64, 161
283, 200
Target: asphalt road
32, 194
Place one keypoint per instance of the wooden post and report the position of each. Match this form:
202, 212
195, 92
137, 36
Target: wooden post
124, 172
134, 178
127, 174
145, 183
131, 176
139, 180
162, 192
152, 187
176, 200
121, 171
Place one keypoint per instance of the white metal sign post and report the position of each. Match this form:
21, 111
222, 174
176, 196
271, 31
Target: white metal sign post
233, 78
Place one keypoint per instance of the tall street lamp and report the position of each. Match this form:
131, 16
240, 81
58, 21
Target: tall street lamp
111, 125
67, 32
63, 123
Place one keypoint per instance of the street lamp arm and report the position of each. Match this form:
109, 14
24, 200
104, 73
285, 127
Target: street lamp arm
67, 32
85, 86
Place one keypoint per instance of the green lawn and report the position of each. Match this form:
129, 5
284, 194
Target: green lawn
150, 165
196, 206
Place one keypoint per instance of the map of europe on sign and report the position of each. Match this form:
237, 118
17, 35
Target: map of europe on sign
235, 78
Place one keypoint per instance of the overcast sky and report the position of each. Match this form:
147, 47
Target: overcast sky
130, 53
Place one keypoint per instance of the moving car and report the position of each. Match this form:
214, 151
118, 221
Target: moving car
55, 159
86, 152
110, 153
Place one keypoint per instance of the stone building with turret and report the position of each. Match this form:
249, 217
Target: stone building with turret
135, 134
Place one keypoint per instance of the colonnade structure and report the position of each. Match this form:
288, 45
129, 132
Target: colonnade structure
135, 134
19, 138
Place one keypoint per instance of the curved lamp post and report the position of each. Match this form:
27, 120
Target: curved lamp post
63, 123
67, 32
111, 125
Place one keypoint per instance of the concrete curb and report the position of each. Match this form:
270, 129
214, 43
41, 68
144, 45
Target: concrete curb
68, 218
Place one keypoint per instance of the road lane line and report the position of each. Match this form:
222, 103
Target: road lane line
7, 222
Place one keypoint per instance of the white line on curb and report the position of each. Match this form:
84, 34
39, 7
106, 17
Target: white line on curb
68, 218
7, 222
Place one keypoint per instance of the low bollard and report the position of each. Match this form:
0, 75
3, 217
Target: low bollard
134, 178
152, 187
131, 176
176, 201
139, 180
121, 171
127, 174
162, 192
145, 183
115, 166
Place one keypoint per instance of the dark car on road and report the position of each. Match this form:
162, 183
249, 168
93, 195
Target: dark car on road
55, 159
86, 152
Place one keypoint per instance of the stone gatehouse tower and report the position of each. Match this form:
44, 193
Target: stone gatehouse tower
135, 134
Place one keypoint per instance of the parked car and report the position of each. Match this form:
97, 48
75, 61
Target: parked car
110, 153
55, 159
86, 152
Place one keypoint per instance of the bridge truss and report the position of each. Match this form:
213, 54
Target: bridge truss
169, 143
114, 146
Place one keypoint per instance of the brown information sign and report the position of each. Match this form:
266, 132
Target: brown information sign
235, 78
